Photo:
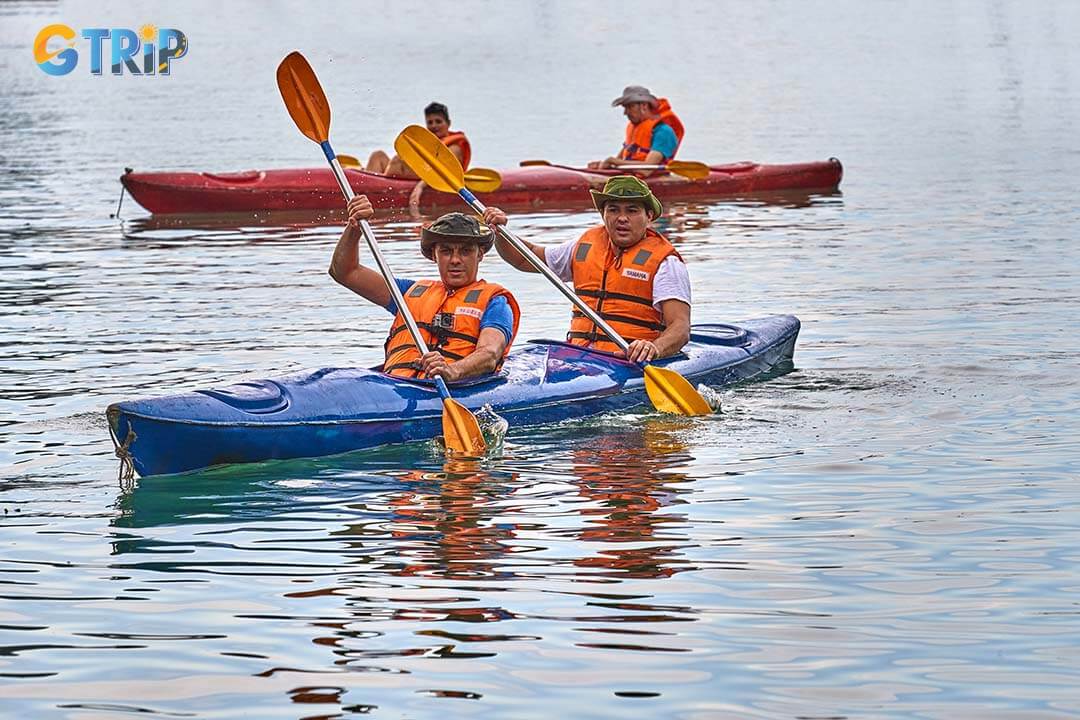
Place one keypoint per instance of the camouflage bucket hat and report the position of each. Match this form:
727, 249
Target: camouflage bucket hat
455, 227
627, 187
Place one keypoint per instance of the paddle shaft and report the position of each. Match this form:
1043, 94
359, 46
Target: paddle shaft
547, 272
384, 269
675, 167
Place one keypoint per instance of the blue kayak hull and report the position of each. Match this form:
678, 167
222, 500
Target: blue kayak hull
336, 410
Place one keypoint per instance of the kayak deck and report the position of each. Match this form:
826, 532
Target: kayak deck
334, 410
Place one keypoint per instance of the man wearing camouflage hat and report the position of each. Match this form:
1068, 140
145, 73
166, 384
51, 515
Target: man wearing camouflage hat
467, 323
627, 272
653, 131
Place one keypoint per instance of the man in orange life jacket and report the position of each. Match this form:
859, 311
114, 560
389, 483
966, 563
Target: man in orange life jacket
653, 133
468, 324
437, 118
626, 271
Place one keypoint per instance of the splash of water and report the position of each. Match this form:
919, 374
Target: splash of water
492, 426
711, 396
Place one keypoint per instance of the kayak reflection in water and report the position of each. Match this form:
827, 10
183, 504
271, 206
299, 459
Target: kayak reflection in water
437, 118
653, 131
468, 324
631, 275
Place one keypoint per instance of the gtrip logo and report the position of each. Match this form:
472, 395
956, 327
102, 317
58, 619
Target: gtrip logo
146, 52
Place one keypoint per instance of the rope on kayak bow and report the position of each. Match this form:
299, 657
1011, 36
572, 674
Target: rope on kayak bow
121, 201
123, 451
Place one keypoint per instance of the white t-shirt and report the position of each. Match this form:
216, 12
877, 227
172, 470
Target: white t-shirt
671, 282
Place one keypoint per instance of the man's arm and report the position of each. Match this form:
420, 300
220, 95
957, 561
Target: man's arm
655, 157
663, 145
481, 361
345, 265
677, 333
677, 318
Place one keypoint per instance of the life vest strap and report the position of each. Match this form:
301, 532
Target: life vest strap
638, 322
388, 369
434, 331
604, 294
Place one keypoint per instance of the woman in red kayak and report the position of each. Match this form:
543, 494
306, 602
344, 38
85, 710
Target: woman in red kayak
437, 117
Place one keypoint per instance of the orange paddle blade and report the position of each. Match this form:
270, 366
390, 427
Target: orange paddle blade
432, 161
304, 97
350, 161
461, 430
670, 392
689, 168
483, 180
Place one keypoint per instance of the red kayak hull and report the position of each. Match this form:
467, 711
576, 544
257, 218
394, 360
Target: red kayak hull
312, 189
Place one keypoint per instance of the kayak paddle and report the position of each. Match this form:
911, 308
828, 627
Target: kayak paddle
476, 179
483, 180
307, 104
434, 163
687, 168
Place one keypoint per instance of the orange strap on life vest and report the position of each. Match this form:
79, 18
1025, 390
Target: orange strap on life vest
449, 323
638, 141
618, 285
456, 137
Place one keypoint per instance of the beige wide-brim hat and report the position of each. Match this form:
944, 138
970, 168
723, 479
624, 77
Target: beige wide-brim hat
634, 94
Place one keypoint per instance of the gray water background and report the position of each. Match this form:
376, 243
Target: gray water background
888, 531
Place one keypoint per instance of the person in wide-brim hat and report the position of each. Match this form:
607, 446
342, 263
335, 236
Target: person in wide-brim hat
631, 275
467, 323
653, 131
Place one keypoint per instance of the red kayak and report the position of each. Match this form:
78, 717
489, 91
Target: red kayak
532, 186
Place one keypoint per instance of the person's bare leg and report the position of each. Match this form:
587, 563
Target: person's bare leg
396, 168
377, 162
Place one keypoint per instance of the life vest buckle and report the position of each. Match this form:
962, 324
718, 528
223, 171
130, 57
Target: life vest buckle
442, 323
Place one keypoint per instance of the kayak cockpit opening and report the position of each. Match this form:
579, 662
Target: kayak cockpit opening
429, 383
720, 334
605, 355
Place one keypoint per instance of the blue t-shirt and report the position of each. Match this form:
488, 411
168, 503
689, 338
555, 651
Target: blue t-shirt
497, 314
664, 140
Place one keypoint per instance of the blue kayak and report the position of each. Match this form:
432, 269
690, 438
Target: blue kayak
335, 410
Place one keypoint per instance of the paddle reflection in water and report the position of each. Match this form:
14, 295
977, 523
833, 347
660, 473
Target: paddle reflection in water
391, 560
627, 478
446, 523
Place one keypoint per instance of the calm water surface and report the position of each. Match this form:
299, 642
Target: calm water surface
890, 530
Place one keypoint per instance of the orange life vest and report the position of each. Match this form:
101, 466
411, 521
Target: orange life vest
618, 285
638, 141
456, 137
449, 323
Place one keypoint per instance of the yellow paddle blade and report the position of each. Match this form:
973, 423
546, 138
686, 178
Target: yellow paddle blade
304, 97
430, 159
461, 430
482, 180
670, 392
350, 161
689, 168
